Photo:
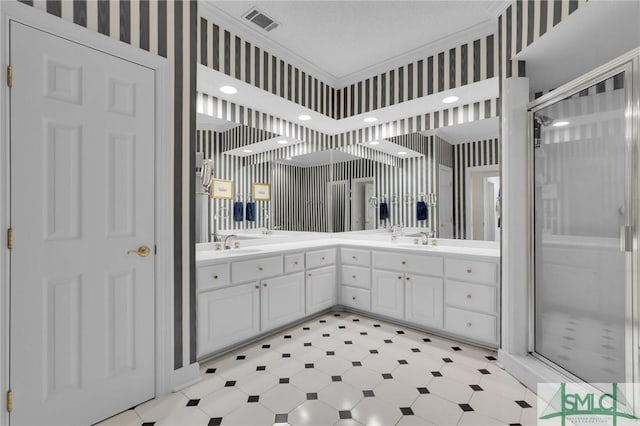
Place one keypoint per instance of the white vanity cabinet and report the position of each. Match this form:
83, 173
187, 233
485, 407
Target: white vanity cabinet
321, 289
387, 294
424, 300
227, 316
355, 278
281, 300
472, 299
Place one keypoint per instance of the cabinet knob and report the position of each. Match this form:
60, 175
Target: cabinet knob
295, 263
259, 268
354, 258
354, 298
404, 262
257, 286
469, 296
468, 270
408, 278
468, 324
264, 284
215, 277
400, 277
322, 258
308, 275
353, 276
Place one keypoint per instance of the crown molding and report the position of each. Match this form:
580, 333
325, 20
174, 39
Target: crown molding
484, 28
209, 11
497, 7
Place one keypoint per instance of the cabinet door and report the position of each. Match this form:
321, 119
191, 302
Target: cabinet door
321, 289
424, 299
387, 297
227, 316
282, 301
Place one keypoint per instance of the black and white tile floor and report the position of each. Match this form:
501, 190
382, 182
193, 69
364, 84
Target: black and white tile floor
347, 370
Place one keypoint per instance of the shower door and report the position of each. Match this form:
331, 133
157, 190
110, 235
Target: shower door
583, 172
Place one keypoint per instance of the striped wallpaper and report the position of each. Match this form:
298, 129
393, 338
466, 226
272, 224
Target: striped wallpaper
524, 22
469, 63
229, 54
164, 28
470, 154
226, 52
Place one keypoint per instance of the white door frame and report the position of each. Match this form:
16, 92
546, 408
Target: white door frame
467, 193
31, 16
365, 202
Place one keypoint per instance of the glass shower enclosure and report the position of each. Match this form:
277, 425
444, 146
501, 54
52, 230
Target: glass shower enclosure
585, 196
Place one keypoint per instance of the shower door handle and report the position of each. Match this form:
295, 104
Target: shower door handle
626, 238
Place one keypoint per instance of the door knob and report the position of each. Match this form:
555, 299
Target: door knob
142, 251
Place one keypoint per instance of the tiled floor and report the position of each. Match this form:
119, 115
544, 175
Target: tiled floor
348, 370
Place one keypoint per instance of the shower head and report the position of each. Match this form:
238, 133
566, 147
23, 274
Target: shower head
544, 120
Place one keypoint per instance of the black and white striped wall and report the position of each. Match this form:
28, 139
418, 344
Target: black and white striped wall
226, 52
167, 29
465, 155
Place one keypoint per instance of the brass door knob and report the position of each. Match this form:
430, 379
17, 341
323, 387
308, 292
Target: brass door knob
142, 251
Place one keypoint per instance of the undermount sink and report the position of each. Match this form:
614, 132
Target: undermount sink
241, 251
418, 246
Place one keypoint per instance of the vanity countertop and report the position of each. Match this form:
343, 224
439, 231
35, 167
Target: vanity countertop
206, 254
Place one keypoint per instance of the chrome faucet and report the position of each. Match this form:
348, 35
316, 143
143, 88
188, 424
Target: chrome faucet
432, 236
227, 247
425, 238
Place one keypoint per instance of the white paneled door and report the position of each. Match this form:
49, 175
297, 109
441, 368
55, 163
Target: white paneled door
82, 211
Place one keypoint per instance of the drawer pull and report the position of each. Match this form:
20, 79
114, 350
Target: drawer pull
353, 276
308, 275
354, 258
257, 286
408, 278
260, 268
469, 296
399, 278
295, 263
215, 277
469, 324
354, 298
468, 270
404, 262
264, 285
322, 259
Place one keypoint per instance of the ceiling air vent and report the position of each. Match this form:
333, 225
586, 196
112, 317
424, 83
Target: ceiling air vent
260, 19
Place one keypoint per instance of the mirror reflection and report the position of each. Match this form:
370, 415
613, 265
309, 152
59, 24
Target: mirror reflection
443, 182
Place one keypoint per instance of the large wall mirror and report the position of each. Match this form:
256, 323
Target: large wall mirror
446, 180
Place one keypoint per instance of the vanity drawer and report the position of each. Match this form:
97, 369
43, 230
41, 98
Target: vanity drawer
472, 270
356, 298
476, 326
355, 257
471, 296
316, 259
417, 263
294, 263
256, 269
356, 276
213, 276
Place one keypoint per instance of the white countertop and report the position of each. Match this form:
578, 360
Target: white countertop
284, 241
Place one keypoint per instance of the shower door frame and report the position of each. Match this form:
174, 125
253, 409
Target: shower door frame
629, 63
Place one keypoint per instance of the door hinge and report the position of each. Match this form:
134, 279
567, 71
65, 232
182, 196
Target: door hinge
9, 400
10, 76
10, 238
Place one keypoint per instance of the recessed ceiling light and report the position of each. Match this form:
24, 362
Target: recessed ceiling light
560, 123
283, 142
229, 90
247, 150
374, 143
370, 119
450, 99
288, 158
402, 153
304, 117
